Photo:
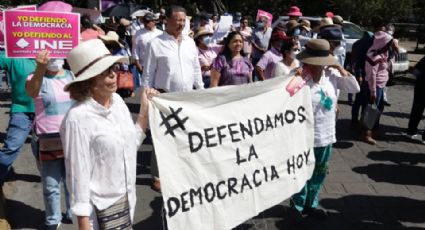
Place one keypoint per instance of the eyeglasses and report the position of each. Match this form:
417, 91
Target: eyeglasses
113, 68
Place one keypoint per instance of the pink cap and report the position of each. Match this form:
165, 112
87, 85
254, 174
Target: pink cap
329, 14
295, 11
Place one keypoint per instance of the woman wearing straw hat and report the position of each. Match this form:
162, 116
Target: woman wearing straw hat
100, 140
207, 52
324, 76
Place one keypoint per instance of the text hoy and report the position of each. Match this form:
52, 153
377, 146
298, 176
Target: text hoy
232, 186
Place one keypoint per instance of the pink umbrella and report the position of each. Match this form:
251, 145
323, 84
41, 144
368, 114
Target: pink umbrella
57, 6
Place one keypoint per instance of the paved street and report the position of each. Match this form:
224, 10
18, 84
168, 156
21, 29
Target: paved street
368, 187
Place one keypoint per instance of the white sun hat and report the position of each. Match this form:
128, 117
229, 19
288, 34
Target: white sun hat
90, 59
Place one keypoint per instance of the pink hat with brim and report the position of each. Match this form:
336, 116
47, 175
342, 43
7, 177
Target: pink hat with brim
295, 12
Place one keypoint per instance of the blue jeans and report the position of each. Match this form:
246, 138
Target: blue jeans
19, 127
136, 77
52, 174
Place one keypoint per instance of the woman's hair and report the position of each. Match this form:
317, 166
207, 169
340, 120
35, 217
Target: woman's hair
112, 45
80, 91
86, 22
287, 46
226, 51
244, 18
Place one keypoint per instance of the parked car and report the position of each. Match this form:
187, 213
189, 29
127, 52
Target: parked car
352, 33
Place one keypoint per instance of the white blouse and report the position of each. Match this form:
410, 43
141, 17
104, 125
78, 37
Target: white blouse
324, 120
282, 70
98, 142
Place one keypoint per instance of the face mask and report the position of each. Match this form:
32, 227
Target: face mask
260, 24
206, 40
339, 50
294, 54
55, 65
390, 32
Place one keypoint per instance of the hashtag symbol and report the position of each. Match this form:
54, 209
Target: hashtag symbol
174, 115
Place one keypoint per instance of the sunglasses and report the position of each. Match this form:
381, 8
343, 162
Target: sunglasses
113, 68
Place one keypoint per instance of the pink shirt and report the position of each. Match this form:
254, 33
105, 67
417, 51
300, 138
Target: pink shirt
52, 103
247, 36
206, 57
268, 61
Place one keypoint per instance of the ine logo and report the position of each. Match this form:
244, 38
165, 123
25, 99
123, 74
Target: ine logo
22, 43
173, 116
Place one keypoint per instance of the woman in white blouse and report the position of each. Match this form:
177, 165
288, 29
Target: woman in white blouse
100, 140
289, 64
324, 76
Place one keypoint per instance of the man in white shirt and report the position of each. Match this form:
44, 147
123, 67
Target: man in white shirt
171, 65
142, 38
171, 59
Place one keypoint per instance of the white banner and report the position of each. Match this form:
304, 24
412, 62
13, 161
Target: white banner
226, 154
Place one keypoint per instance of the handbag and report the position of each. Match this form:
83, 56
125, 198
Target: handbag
117, 216
50, 147
370, 115
125, 80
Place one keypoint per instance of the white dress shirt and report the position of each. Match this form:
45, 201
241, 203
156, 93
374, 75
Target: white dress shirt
324, 120
172, 65
97, 143
141, 39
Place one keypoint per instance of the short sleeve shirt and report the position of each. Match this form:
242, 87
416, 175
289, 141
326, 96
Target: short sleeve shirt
261, 39
235, 72
52, 103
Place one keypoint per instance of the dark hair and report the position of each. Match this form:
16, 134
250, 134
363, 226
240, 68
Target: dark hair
80, 91
174, 8
287, 46
86, 22
378, 22
244, 18
226, 50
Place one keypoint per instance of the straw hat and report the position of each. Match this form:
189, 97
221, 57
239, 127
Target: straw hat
317, 52
90, 59
295, 12
337, 19
200, 32
323, 23
291, 25
305, 24
110, 37
140, 13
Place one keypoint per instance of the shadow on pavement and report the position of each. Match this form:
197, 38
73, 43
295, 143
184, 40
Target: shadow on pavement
5, 96
397, 157
34, 218
380, 212
152, 222
396, 114
13, 176
394, 173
